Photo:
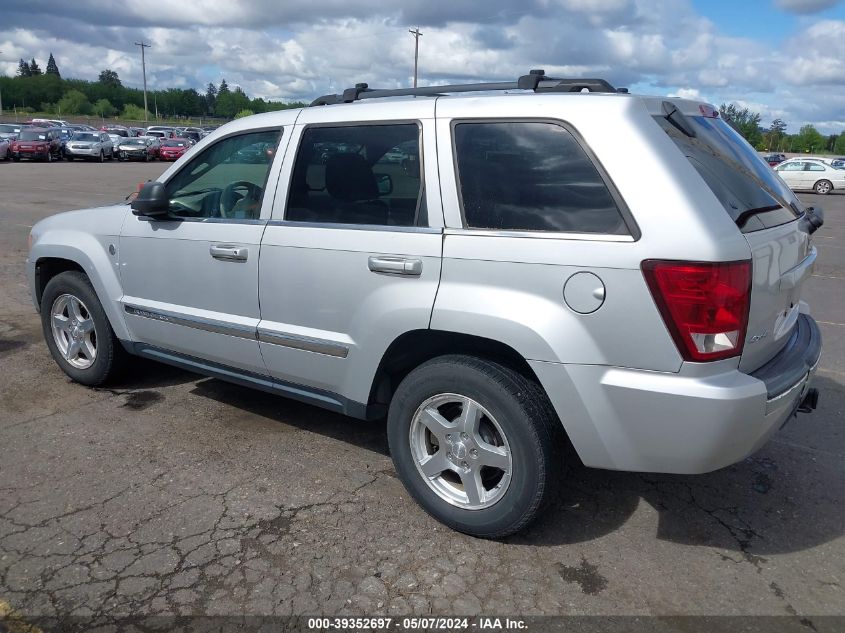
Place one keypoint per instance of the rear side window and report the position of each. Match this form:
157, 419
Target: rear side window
531, 176
746, 185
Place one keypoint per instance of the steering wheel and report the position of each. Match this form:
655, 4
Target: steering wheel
237, 191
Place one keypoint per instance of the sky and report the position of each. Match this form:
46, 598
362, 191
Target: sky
782, 58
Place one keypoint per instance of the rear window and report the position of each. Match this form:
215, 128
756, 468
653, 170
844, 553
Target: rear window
749, 190
531, 176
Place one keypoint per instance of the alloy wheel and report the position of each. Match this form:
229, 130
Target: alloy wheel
461, 451
73, 331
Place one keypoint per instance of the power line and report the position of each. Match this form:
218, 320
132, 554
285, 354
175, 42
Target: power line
417, 35
144, 70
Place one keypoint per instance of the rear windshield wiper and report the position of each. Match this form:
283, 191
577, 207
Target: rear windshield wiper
743, 217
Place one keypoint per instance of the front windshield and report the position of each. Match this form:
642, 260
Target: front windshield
9, 129
33, 135
174, 144
86, 136
135, 141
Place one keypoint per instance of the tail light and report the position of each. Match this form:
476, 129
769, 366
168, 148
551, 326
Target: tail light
704, 305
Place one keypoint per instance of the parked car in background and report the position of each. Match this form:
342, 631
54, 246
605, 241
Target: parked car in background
117, 130
37, 143
193, 133
173, 148
65, 134
803, 174
839, 163
5, 149
9, 131
144, 148
162, 131
49, 122
94, 145
136, 131
774, 159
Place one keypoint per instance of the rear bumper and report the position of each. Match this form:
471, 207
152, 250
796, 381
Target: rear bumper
703, 418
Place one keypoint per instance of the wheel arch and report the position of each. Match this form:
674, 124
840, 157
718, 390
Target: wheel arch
411, 349
48, 261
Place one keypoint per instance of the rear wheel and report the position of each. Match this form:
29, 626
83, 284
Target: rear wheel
78, 333
823, 187
49, 158
475, 443
102, 156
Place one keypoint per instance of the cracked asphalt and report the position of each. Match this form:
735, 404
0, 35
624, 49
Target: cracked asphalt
173, 494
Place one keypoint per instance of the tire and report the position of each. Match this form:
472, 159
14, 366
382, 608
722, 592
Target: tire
49, 158
516, 418
111, 155
823, 187
102, 157
109, 358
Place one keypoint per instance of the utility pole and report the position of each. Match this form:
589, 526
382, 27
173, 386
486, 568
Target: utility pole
416, 33
144, 70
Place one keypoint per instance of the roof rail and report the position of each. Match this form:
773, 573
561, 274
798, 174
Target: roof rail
535, 80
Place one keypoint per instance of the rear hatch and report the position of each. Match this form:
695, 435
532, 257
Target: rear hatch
765, 211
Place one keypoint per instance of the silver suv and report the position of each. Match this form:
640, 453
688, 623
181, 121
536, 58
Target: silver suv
514, 286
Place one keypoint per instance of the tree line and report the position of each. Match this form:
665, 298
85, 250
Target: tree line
775, 139
34, 90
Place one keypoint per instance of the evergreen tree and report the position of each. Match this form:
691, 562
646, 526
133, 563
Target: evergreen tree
52, 67
23, 69
210, 97
34, 68
224, 87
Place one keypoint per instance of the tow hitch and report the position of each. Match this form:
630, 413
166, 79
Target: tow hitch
810, 401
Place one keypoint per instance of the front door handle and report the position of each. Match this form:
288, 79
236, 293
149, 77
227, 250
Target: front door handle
395, 265
229, 252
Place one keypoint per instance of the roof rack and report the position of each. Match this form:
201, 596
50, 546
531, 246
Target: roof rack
535, 80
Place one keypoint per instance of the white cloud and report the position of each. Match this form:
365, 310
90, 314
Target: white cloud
300, 49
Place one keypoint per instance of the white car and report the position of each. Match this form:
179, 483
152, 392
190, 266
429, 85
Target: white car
811, 175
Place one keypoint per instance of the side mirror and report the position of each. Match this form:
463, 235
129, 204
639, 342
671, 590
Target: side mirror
152, 201
385, 184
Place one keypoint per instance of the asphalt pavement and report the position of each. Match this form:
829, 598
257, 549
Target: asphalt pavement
173, 494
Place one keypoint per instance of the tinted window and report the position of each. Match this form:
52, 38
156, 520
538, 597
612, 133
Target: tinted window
531, 176
813, 167
226, 180
744, 184
28, 135
357, 174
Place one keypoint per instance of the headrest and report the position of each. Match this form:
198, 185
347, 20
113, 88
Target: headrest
349, 177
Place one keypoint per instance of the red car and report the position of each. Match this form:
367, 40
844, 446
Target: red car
38, 144
173, 148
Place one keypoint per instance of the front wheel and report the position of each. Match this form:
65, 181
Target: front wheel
102, 157
475, 443
823, 187
78, 333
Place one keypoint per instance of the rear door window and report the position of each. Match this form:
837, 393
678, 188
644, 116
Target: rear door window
743, 182
358, 174
531, 176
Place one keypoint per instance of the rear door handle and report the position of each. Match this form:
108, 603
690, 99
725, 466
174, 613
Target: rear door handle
229, 252
395, 265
